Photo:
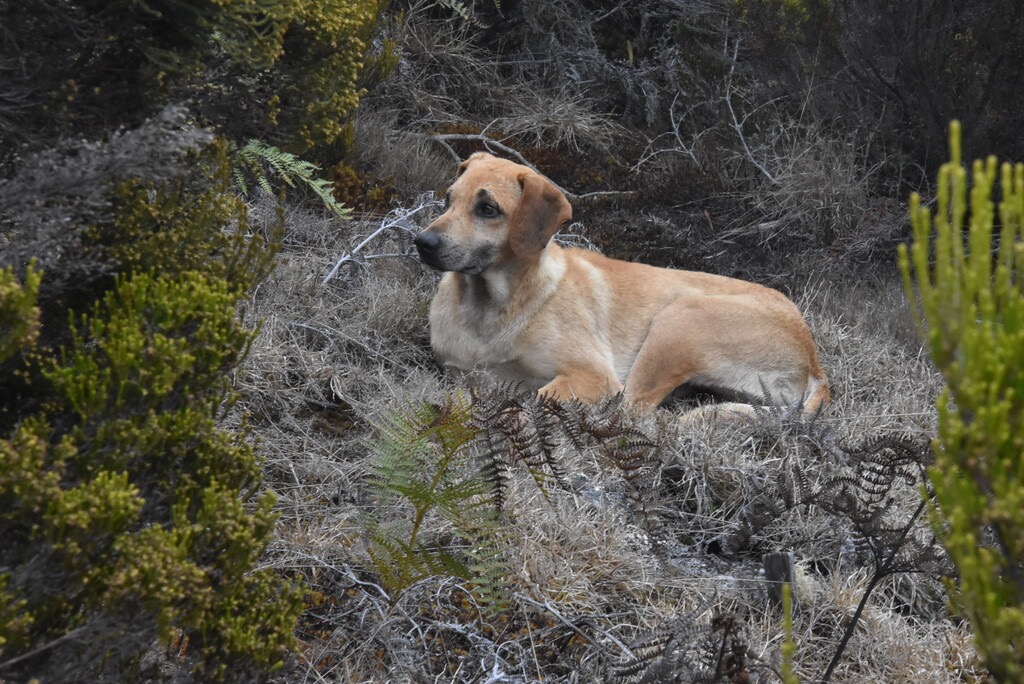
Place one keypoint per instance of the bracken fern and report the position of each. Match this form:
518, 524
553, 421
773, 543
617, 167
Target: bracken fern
260, 160
452, 462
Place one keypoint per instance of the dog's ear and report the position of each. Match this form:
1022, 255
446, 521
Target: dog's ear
541, 212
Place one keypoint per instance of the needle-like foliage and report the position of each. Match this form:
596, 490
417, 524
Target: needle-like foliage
966, 266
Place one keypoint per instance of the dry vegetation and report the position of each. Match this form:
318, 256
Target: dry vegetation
771, 140
611, 575
590, 574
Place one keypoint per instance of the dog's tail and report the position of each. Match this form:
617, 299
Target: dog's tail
816, 394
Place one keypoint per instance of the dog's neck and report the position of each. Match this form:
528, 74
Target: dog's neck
510, 288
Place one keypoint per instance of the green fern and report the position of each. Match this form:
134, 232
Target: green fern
447, 467
262, 161
460, 8
465, 9
425, 478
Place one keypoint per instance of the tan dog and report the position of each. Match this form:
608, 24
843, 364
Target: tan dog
578, 325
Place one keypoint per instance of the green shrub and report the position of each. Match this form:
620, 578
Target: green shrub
971, 297
19, 315
123, 503
129, 516
248, 67
165, 226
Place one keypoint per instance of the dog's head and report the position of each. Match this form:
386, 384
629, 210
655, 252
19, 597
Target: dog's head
496, 212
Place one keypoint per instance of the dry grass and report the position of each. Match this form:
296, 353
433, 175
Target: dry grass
586, 574
589, 573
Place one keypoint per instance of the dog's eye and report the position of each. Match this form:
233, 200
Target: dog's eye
487, 210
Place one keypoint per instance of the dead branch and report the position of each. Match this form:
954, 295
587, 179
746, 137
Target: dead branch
496, 145
398, 218
737, 124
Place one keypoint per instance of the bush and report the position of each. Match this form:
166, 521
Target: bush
121, 501
245, 66
973, 302
129, 517
132, 512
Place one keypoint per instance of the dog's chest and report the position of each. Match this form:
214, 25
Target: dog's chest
466, 338
469, 337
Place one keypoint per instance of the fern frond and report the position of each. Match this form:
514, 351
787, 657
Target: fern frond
458, 7
262, 160
423, 474
494, 467
690, 649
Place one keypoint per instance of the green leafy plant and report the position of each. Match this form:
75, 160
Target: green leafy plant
265, 162
448, 466
425, 467
788, 648
19, 315
130, 516
966, 266
124, 503
166, 226
249, 67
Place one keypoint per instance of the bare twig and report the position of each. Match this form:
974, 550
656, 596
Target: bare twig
42, 649
738, 125
564, 620
491, 144
399, 218
680, 145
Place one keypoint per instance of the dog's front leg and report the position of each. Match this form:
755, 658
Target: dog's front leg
585, 385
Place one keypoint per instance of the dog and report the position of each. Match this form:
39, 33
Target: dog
576, 325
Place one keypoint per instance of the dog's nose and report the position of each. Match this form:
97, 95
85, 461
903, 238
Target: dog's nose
427, 242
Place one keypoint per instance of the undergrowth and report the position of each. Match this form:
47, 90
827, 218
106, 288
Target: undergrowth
611, 531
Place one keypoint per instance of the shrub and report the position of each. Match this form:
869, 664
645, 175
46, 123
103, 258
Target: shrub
122, 503
129, 516
245, 66
972, 299
19, 315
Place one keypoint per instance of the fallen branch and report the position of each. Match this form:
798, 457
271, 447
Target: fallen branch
398, 218
496, 145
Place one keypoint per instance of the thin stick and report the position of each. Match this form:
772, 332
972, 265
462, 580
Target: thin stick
736, 124
489, 143
387, 225
548, 607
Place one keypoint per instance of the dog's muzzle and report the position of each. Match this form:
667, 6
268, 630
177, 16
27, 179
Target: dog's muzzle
428, 244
